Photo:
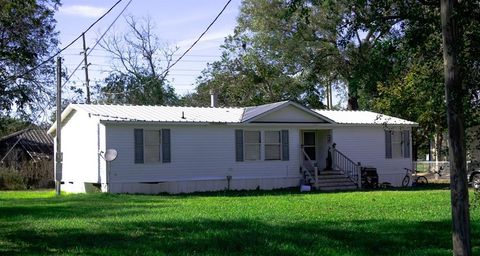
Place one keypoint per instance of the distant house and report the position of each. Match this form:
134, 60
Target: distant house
188, 149
28, 145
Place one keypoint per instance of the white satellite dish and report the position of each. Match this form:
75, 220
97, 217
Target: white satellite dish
110, 155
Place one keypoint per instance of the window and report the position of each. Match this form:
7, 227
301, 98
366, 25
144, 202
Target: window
397, 144
252, 145
272, 145
247, 145
152, 146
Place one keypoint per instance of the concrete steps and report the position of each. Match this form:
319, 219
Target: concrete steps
333, 180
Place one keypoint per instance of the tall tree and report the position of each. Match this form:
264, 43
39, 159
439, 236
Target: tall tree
27, 38
246, 75
314, 43
456, 132
140, 66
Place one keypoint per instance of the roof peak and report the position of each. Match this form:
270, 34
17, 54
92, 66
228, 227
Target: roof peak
172, 106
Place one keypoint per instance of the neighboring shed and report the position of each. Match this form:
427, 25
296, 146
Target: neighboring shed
31, 144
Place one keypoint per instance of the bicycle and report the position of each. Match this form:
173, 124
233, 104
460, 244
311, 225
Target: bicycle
418, 180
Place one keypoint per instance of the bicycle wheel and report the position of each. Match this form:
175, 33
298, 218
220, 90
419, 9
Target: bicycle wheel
421, 181
406, 181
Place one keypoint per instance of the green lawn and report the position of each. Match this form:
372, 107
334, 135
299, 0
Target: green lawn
255, 223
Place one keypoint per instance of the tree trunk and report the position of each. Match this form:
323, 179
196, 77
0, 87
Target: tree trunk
352, 103
454, 96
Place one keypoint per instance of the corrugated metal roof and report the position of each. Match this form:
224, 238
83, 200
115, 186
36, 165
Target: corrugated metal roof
35, 135
130, 113
362, 117
162, 113
251, 112
34, 142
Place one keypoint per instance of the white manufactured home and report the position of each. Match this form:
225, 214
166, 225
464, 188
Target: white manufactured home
189, 149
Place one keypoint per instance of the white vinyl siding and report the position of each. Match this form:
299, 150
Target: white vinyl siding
272, 145
81, 160
198, 153
367, 145
252, 145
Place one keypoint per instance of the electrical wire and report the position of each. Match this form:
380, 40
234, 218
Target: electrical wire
63, 49
97, 42
198, 39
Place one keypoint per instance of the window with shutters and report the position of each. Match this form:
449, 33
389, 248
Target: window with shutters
248, 145
152, 146
397, 144
252, 145
273, 145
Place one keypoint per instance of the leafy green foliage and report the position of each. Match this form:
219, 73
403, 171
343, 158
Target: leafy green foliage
10, 125
238, 223
123, 88
28, 174
10, 179
28, 37
316, 44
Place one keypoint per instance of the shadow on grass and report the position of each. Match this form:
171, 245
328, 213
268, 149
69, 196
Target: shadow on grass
81, 206
120, 225
430, 186
240, 237
296, 191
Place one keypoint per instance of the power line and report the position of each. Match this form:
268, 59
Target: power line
198, 39
70, 44
98, 40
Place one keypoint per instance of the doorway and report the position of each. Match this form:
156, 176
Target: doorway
309, 145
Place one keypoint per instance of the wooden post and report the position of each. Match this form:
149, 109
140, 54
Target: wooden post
454, 96
87, 81
58, 152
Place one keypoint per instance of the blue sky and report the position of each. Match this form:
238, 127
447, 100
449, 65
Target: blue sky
177, 23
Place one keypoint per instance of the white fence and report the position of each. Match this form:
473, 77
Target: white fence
434, 169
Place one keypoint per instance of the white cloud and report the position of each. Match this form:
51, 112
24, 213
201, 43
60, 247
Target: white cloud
214, 36
83, 10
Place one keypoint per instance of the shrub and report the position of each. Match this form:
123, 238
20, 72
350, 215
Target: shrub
11, 179
37, 174
28, 175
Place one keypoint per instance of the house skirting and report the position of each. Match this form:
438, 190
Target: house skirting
177, 187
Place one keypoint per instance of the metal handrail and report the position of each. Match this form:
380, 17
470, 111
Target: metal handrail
346, 166
306, 172
312, 169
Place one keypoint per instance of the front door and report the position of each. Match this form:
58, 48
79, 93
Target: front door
309, 147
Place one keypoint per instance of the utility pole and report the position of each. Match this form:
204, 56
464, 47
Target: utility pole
330, 96
328, 90
58, 153
87, 81
454, 94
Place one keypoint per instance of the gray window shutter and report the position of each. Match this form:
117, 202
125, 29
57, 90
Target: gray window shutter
406, 144
138, 141
239, 145
285, 152
388, 144
166, 152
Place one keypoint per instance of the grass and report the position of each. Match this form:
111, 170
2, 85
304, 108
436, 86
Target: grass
410, 222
